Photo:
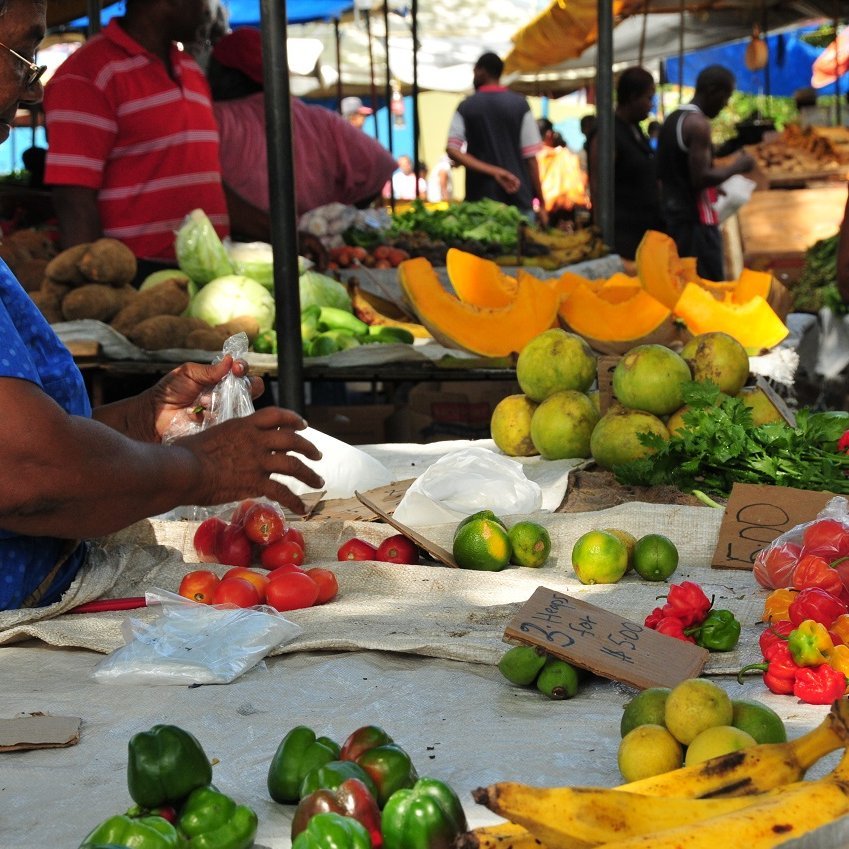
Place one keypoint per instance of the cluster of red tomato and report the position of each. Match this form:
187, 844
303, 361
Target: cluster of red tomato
394, 549
256, 531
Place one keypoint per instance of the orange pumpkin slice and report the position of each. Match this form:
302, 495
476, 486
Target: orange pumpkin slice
659, 267
479, 281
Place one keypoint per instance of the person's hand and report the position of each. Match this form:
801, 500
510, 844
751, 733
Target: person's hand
177, 392
542, 217
238, 457
744, 163
507, 180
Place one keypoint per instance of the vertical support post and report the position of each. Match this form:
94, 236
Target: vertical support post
603, 204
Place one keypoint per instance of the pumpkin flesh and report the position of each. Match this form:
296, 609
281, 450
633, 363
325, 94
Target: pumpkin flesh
479, 281
659, 267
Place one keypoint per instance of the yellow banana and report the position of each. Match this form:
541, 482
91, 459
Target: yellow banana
505, 835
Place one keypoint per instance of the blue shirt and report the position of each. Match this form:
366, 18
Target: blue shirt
30, 350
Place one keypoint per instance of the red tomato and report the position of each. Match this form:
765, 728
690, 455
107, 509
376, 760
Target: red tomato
199, 585
263, 524
285, 569
206, 539
328, 586
826, 538
398, 549
241, 510
233, 548
236, 591
280, 553
294, 535
259, 581
292, 591
357, 549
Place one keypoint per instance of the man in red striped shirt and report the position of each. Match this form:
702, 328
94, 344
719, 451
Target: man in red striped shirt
133, 143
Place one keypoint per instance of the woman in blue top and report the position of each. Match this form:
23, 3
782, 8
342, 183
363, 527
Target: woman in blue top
68, 472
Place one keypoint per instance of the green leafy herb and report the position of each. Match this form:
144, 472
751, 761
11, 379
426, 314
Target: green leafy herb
719, 446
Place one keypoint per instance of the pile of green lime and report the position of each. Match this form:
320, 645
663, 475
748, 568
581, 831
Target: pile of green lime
605, 556
483, 542
527, 666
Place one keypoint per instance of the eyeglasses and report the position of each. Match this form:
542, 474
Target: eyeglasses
34, 72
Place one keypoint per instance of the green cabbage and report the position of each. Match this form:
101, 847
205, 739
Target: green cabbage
200, 253
323, 291
254, 260
229, 297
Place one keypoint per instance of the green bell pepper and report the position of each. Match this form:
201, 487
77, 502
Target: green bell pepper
361, 740
330, 775
332, 831
719, 631
212, 820
299, 752
390, 768
427, 816
165, 764
136, 833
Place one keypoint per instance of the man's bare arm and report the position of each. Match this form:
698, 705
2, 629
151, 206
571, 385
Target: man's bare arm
79, 218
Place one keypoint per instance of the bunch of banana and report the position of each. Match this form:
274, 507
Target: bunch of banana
564, 248
756, 793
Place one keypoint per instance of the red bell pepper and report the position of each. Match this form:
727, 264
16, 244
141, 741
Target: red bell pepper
817, 604
350, 799
819, 685
814, 571
687, 602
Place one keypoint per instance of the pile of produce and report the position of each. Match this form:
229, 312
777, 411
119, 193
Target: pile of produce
817, 284
27, 251
529, 666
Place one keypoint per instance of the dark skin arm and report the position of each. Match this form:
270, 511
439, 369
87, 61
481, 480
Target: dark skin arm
79, 218
71, 477
247, 222
533, 173
843, 257
704, 173
508, 181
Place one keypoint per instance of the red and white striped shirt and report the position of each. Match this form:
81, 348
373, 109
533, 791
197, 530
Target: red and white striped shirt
118, 123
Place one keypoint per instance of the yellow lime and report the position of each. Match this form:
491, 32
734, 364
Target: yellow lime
716, 741
648, 750
482, 544
655, 557
694, 705
481, 514
646, 708
762, 722
599, 558
530, 542
630, 542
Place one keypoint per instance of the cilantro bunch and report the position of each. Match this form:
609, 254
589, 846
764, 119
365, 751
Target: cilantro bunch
719, 446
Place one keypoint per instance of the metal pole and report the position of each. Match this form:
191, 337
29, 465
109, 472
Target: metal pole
414, 32
281, 195
838, 117
93, 8
604, 115
387, 83
373, 85
338, 39
681, 56
643, 32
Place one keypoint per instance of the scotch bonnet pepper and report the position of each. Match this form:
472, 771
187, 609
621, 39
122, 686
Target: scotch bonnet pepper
299, 752
164, 765
212, 820
779, 670
819, 685
139, 832
809, 642
426, 816
332, 831
687, 601
817, 604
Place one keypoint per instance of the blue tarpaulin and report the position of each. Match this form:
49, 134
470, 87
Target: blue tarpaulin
790, 63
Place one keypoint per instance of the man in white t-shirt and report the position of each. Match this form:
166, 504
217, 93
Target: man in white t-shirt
440, 185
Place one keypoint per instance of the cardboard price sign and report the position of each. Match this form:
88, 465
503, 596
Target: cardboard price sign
755, 515
603, 642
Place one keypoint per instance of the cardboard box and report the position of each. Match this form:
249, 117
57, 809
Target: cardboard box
356, 424
449, 410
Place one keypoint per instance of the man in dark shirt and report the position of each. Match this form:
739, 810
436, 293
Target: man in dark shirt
688, 175
493, 134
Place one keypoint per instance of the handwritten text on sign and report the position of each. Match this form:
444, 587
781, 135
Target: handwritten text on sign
603, 642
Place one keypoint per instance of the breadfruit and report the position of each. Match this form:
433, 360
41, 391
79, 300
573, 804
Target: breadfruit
64, 267
34, 242
169, 298
162, 331
207, 339
241, 324
91, 301
30, 273
108, 261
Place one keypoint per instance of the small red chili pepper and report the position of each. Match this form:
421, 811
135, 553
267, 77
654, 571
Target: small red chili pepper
817, 604
687, 602
779, 670
819, 685
815, 571
653, 618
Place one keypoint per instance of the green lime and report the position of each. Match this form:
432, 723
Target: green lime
599, 558
655, 557
646, 708
481, 514
762, 722
482, 544
530, 542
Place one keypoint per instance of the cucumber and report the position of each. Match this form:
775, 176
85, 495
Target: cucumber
332, 318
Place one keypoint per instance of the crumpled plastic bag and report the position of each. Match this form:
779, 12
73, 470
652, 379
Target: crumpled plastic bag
465, 481
200, 252
734, 193
190, 643
344, 468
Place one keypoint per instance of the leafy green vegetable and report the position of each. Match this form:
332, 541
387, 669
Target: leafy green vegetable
254, 260
719, 446
484, 220
817, 284
232, 296
323, 291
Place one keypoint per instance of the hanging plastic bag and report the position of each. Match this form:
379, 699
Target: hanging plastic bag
190, 643
824, 539
465, 481
734, 193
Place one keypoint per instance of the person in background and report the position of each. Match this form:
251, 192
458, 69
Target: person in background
333, 160
354, 111
71, 473
440, 183
405, 185
843, 257
133, 143
563, 183
220, 26
494, 136
636, 196
689, 176
588, 125
654, 133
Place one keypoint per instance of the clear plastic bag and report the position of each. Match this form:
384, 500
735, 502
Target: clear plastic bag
190, 643
826, 538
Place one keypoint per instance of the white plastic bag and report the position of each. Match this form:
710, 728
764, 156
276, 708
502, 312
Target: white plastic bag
465, 481
734, 193
190, 643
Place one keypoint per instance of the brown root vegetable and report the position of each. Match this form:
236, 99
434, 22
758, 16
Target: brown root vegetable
64, 267
48, 306
30, 273
127, 294
91, 301
11, 255
108, 261
56, 291
163, 331
207, 339
35, 242
241, 324
171, 298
